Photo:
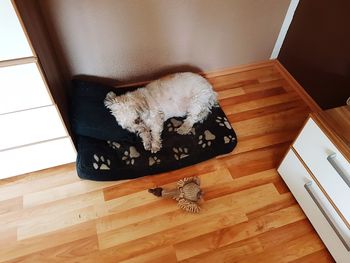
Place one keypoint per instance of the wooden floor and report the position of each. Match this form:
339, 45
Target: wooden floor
248, 213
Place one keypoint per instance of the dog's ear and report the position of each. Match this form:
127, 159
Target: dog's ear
110, 99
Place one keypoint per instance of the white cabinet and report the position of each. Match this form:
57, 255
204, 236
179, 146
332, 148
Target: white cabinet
314, 147
13, 42
22, 87
36, 157
30, 126
32, 133
318, 187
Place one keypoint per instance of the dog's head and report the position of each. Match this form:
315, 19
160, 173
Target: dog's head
128, 110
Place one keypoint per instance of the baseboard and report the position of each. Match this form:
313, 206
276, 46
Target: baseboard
297, 87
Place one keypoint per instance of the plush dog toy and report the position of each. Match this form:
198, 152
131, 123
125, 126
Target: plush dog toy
187, 193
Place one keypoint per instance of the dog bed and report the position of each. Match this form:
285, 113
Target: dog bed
108, 152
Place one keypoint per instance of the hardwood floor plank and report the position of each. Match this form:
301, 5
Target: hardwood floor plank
229, 253
230, 235
321, 256
288, 251
232, 85
162, 222
62, 192
266, 110
248, 88
230, 93
259, 103
271, 123
239, 77
284, 201
240, 184
165, 254
281, 186
38, 181
11, 205
255, 161
8, 236
20, 217
252, 96
173, 235
51, 222
269, 77
277, 236
45, 241
251, 143
63, 253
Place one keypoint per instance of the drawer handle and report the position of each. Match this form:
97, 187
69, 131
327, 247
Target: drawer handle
313, 195
332, 160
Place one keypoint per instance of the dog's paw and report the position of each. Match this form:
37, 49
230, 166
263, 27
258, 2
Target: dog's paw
184, 129
147, 145
173, 125
156, 146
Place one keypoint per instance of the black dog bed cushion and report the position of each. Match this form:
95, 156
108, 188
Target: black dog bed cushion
108, 152
88, 115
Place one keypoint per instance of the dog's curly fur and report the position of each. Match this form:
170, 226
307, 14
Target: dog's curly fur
144, 110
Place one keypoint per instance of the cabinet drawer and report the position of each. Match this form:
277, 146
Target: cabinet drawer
30, 126
24, 92
296, 177
314, 147
14, 43
36, 157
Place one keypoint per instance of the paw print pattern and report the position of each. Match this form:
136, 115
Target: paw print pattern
101, 163
130, 156
180, 153
206, 138
228, 139
153, 160
223, 122
114, 145
173, 125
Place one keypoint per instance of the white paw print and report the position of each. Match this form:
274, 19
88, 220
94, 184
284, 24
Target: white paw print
206, 138
101, 163
228, 139
153, 160
223, 122
180, 153
173, 125
114, 145
130, 156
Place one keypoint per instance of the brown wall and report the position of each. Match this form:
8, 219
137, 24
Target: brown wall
132, 40
316, 50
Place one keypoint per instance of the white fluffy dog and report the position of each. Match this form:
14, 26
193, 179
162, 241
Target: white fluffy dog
144, 110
